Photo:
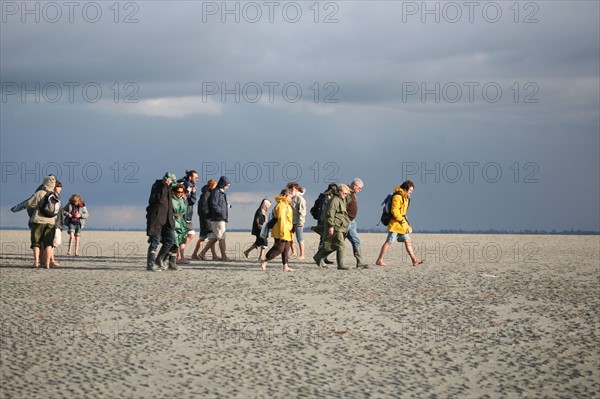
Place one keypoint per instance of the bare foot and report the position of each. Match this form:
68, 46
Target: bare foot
54, 264
286, 268
196, 257
215, 258
380, 263
263, 265
246, 254
418, 262
301, 258
36, 265
69, 253
226, 259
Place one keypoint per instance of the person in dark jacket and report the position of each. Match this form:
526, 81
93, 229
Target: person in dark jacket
218, 209
260, 217
160, 222
204, 218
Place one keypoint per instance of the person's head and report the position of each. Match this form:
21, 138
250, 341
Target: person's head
408, 187
58, 187
75, 199
169, 178
356, 185
343, 190
223, 183
178, 190
191, 176
294, 187
211, 184
265, 204
286, 192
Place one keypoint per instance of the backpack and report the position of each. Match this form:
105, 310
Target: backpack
50, 205
318, 206
386, 213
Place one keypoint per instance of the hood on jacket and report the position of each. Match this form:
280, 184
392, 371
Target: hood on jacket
281, 198
223, 181
262, 204
400, 191
49, 183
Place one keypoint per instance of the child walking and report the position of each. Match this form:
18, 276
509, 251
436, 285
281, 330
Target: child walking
260, 217
75, 215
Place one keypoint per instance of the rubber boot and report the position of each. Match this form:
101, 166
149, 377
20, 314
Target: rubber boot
161, 258
151, 257
358, 256
173, 262
319, 256
339, 256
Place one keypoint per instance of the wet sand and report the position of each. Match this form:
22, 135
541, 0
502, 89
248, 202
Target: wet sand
485, 316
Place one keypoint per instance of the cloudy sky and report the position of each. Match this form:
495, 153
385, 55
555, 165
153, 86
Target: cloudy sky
491, 108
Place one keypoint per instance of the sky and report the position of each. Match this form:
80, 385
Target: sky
491, 108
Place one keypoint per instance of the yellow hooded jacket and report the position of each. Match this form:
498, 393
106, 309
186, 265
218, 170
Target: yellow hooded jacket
284, 214
399, 224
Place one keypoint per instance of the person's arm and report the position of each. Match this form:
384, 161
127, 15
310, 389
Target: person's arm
397, 208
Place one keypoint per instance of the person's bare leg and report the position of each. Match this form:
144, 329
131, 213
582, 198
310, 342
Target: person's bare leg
384, 248
70, 243
209, 245
197, 249
76, 245
36, 257
223, 249
247, 252
260, 253
47, 256
409, 248
301, 249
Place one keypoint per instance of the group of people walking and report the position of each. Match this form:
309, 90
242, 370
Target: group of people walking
47, 219
170, 213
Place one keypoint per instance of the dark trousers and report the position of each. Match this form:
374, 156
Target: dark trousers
280, 247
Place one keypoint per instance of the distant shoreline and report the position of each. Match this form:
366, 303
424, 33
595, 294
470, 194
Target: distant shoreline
443, 231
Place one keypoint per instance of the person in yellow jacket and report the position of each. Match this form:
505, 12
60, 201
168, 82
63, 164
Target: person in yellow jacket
399, 227
282, 230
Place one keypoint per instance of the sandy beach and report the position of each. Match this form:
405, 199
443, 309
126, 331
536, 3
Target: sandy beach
485, 316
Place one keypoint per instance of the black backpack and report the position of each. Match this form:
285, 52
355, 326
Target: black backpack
318, 206
50, 205
386, 212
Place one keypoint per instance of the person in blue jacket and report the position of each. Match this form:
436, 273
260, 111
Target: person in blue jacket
218, 208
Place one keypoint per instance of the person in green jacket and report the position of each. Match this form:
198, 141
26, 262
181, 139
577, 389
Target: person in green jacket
335, 228
179, 204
